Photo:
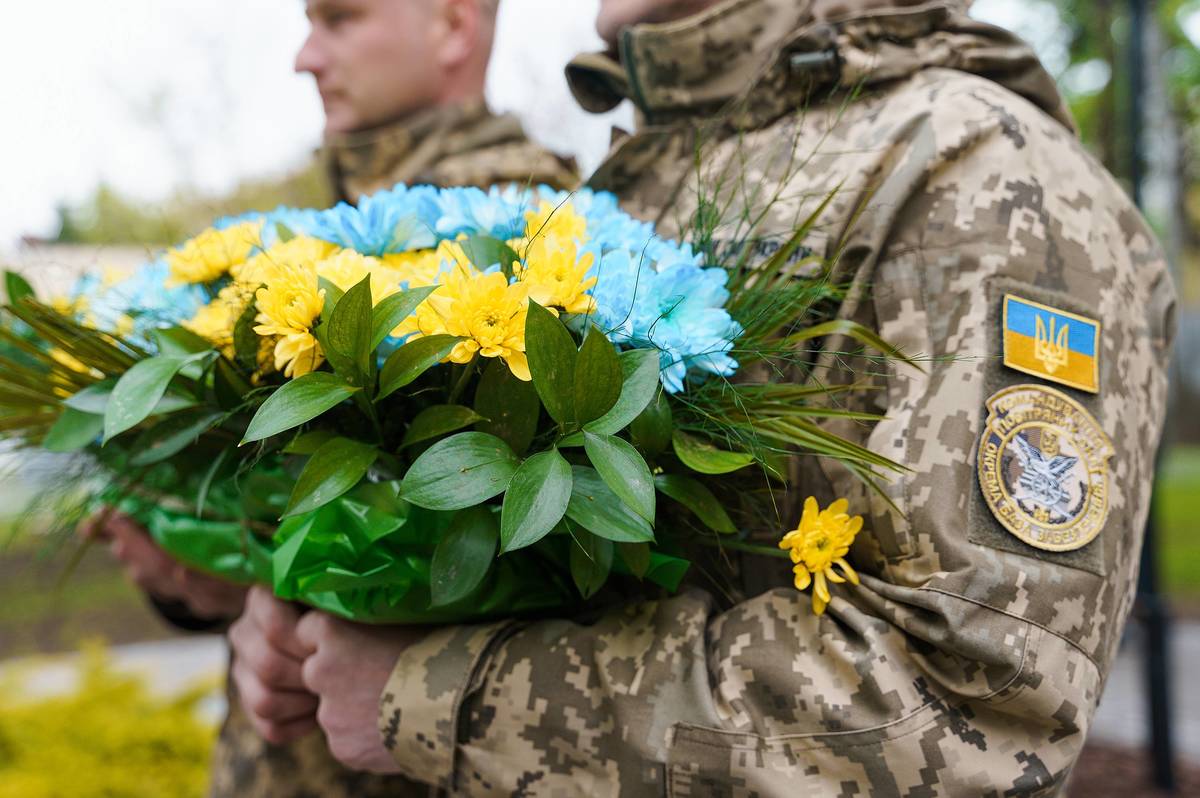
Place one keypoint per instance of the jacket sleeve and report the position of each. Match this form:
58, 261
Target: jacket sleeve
967, 662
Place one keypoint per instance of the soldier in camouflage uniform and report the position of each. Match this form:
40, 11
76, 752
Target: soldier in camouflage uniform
970, 659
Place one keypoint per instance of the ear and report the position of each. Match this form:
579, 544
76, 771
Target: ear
461, 25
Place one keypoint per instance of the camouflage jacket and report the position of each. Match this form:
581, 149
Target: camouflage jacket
452, 145
970, 219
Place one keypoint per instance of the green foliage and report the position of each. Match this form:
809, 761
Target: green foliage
296, 403
460, 471
536, 500
509, 406
552, 355
464, 556
596, 508
591, 560
412, 360
332, 470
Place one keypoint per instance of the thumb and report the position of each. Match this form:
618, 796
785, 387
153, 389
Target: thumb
312, 631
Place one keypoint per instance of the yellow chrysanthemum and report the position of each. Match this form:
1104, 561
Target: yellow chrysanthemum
216, 320
297, 354
348, 268
553, 221
298, 251
484, 310
820, 542
288, 306
213, 253
415, 269
557, 276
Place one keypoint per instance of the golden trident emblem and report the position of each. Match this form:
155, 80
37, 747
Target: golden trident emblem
1051, 349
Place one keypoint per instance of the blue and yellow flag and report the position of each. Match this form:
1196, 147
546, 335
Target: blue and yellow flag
1052, 344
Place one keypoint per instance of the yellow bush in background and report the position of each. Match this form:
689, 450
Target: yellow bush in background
109, 739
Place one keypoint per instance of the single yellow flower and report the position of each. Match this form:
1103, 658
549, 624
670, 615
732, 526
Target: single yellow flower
552, 221
415, 269
216, 320
297, 354
348, 268
123, 325
288, 306
820, 542
213, 253
298, 251
556, 275
481, 308
67, 306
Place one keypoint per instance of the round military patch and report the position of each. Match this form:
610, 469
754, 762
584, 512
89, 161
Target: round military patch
1043, 467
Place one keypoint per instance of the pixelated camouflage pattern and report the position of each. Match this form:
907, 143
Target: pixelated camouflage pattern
967, 663
450, 145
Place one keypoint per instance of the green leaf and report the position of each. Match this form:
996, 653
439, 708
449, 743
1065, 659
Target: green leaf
172, 435
460, 471
210, 474
591, 561
510, 406
139, 390
348, 331
73, 431
636, 557
284, 232
536, 500
297, 402
17, 287
412, 360
94, 399
333, 295
434, 422
309, 442
700, 455
552, 356
464, 555
639, 385
485, 251
850, 329
332, 470
597, 377
394, 309
229, 387
693, 495
623, 470
246, 342
595, 507
180, 341
651, 430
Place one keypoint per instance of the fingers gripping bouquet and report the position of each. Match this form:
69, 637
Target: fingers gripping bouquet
441, 405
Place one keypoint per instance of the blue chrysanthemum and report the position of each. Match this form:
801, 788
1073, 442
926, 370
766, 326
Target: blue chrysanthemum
397, 220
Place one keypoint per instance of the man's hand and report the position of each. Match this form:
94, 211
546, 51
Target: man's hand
348, 667
160, 575
267, 661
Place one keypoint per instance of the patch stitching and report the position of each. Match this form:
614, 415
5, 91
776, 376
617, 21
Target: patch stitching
1049, 437
1052, 347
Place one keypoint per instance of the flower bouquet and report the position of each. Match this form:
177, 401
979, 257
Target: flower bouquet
440, 405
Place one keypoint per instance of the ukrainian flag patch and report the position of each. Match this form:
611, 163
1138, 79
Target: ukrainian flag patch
1052, 344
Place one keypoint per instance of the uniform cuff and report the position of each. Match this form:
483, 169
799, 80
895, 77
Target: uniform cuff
420, 706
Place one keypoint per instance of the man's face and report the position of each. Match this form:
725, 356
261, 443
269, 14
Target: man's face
373, 60
616, 14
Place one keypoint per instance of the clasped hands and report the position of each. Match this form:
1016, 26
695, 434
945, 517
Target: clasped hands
296, 670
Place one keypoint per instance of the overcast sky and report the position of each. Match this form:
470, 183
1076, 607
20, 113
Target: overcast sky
150, 95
